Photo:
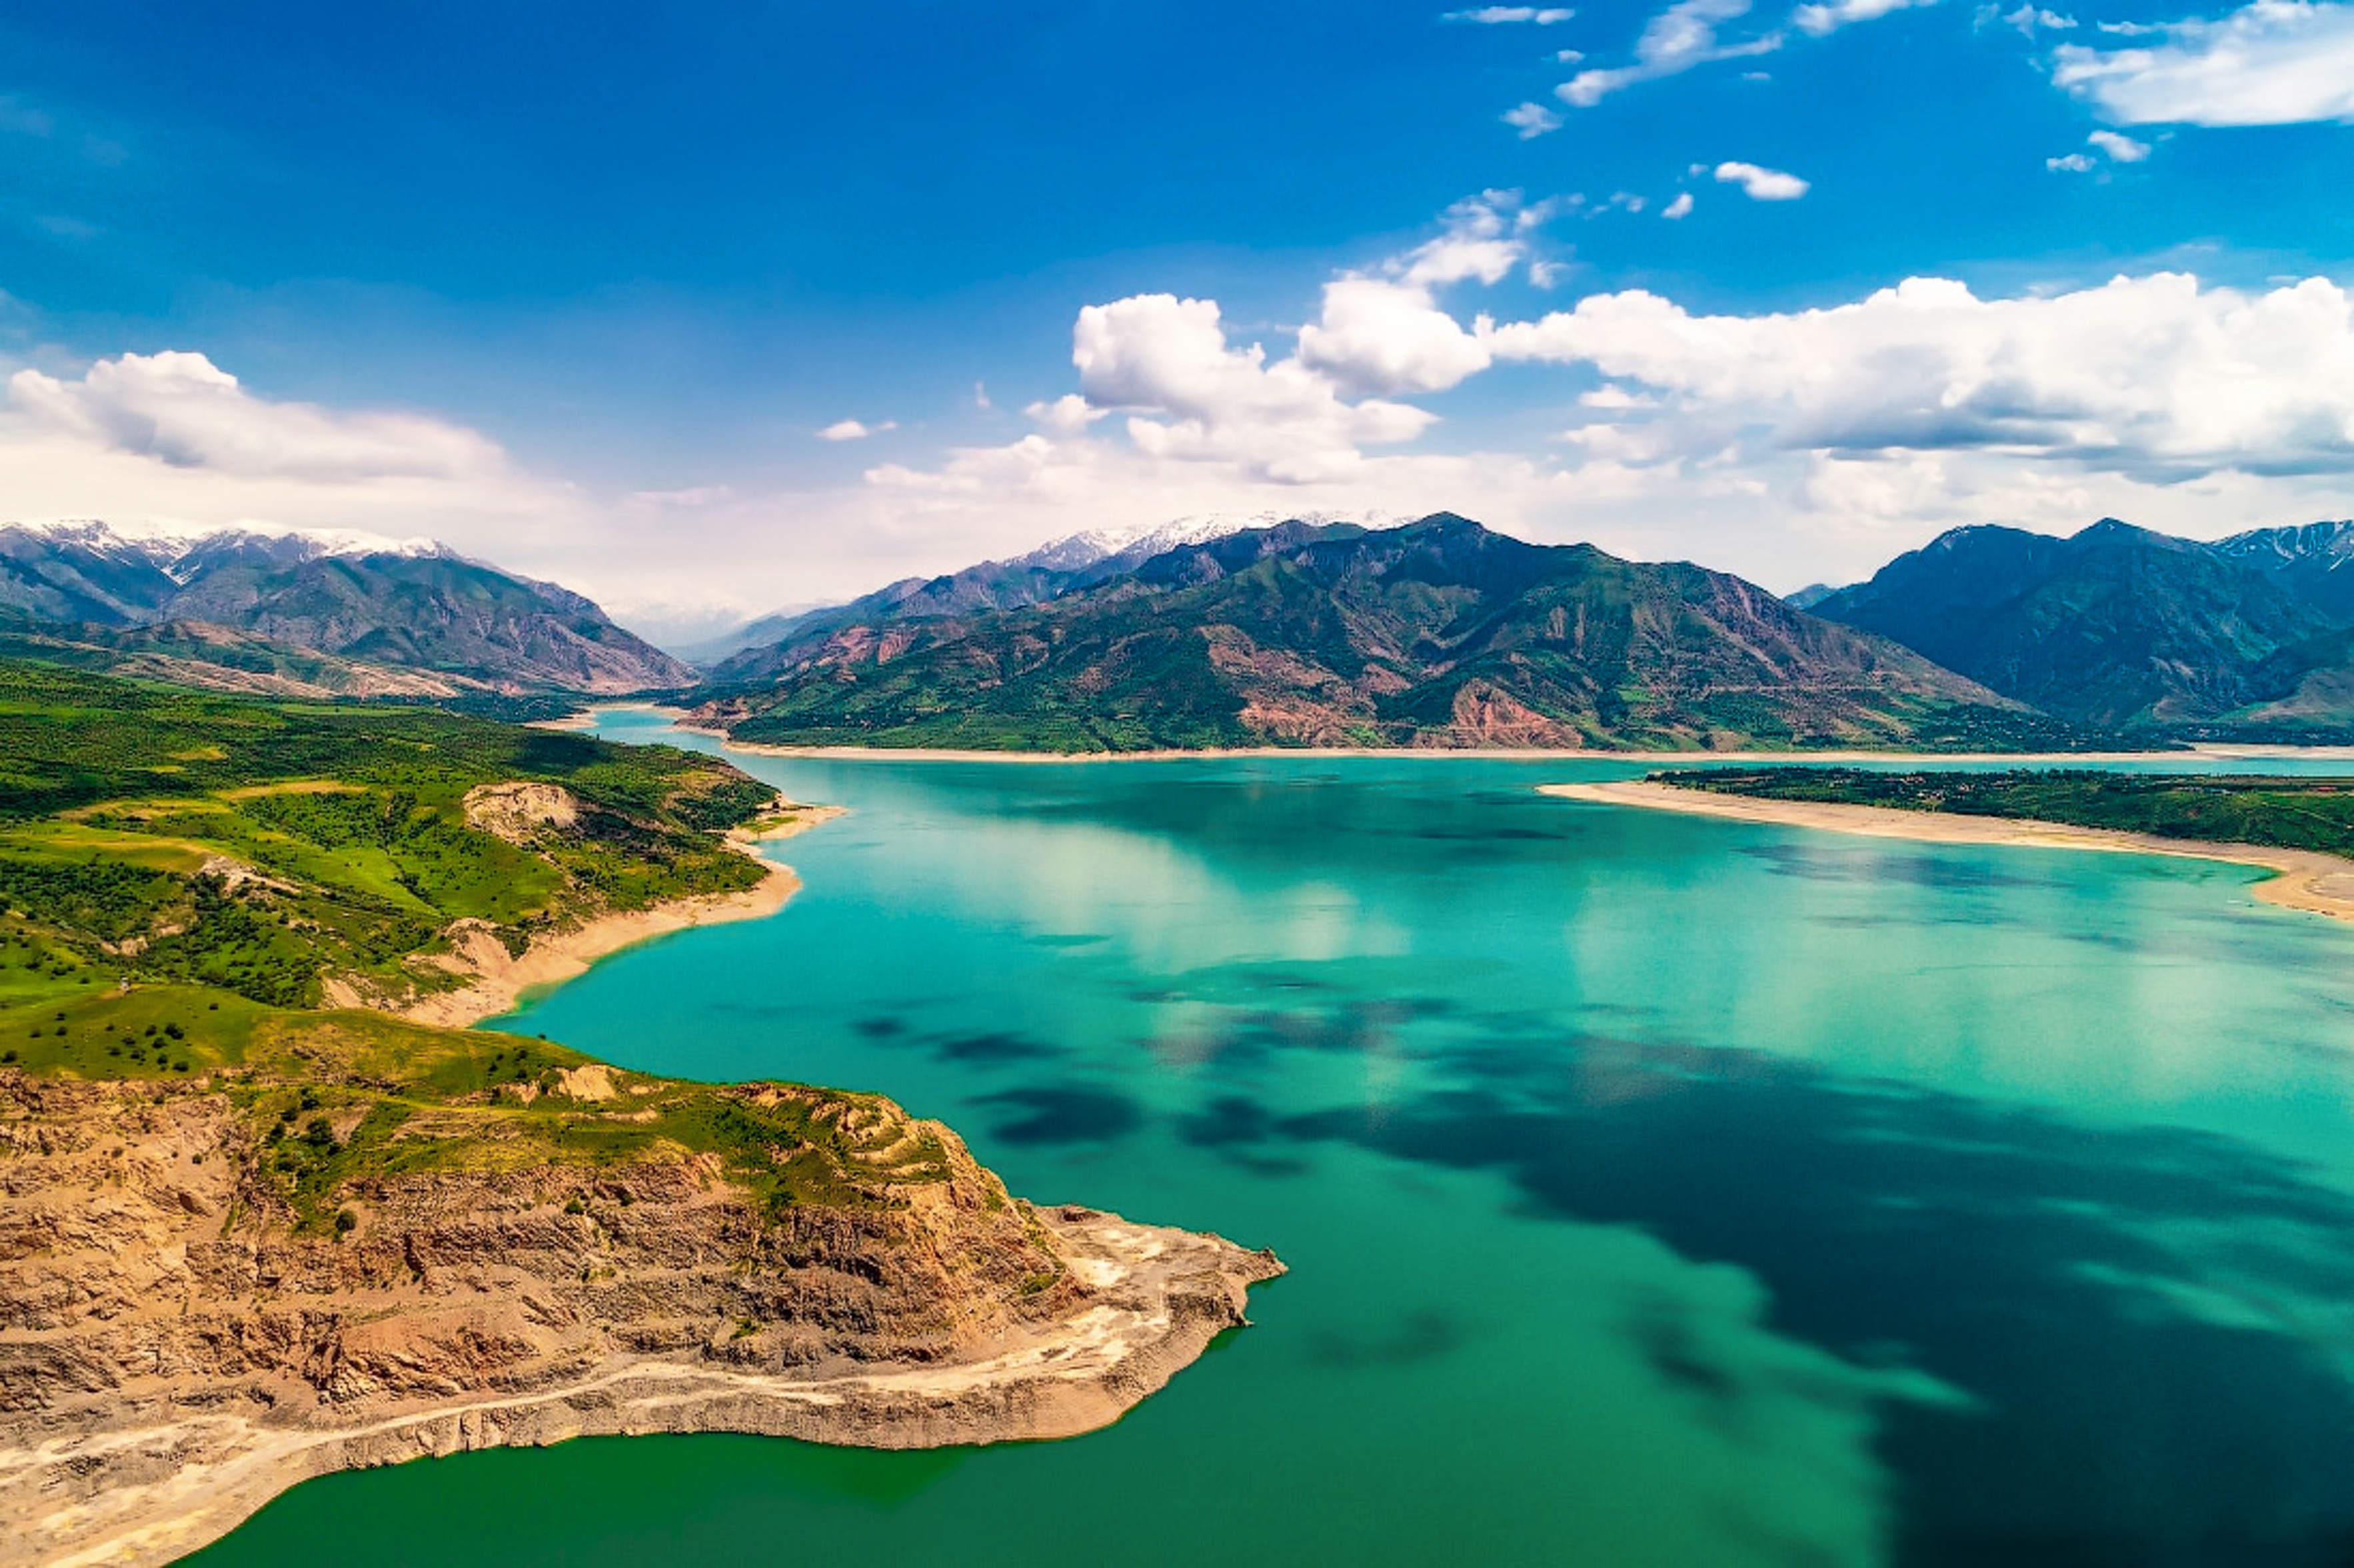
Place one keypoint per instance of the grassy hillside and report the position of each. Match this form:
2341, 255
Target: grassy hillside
158, 836
2287, 813
334, 1101
181, 872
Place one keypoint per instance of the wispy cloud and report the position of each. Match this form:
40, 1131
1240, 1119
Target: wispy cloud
1679, 208
1830, 17
1674, 41
2274, 62
2121, 148
1501, 15
1762, 183
854, 429
1531, 120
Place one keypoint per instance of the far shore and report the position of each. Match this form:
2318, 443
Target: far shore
2208, 751
2301, 879
501, 981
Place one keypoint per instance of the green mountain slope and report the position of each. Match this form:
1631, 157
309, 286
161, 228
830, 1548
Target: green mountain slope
2115, 627
369, 611
1438, 633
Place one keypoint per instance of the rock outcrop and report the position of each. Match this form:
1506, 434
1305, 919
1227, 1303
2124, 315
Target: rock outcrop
184, 1333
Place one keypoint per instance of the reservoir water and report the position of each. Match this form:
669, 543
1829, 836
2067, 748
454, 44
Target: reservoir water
1658, 1190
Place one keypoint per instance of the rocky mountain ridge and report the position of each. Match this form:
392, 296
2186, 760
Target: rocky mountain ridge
1436, 633
383, 605
2128, 630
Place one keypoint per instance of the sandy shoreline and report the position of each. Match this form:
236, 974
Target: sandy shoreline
586, 719
2302, 879
501, 980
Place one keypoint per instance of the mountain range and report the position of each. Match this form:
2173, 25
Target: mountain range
1436, 633
1224, 631
301, 614
2130, 630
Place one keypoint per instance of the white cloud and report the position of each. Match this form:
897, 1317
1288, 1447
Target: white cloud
2027, 19
2153, 377
1193, 397
1531, 120
183, 410
694, 495
1679, 208
2069, 164
1492, 15
2274, 62
1677, 39
854, 429
1381, 332
1831, 16
1762, 185
2121, 149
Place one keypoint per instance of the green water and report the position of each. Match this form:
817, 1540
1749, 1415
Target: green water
1658, 1190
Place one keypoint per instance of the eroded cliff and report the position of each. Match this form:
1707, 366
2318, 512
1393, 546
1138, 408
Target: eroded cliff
373, 1240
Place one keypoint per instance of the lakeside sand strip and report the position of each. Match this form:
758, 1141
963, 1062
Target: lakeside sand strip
2302, 879
500, 979
189, 1473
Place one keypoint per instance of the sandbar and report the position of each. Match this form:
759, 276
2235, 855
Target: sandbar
2301, 879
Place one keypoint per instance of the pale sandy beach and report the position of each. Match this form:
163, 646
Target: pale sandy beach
2302, 879
501, 980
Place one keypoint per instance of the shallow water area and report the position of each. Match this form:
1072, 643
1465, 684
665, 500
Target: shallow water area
1657, 1190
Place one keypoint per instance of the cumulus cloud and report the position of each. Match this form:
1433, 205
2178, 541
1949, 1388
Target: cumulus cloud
183, 410
2121, 149
2155, 377
1382, 331
1679, 208
1493, 16
2069, 164
1192, 395
854, 429
2274, 62
1674, 41
1761, 184
1531, 120
1830, 17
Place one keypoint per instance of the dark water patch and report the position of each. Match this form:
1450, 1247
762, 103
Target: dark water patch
1424, 1335
993, 1048
1954, 873
1989, 1243
1067, 940
879, 1027
1238, 1129
1065, 1114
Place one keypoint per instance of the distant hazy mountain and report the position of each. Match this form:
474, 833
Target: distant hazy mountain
2117, 625
412, 606
1438, 633
1051, 569
1809, 596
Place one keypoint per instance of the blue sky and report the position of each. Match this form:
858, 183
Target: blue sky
578, 287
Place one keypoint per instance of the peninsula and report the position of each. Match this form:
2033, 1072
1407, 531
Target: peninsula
2301, 831
260, 1219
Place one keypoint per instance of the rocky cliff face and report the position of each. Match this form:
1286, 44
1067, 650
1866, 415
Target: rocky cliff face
180, 1340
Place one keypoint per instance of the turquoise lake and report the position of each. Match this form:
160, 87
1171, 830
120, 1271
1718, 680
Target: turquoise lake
1656, 1190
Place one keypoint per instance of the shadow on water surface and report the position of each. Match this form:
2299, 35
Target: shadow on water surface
2156, 1325
1065, 1114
